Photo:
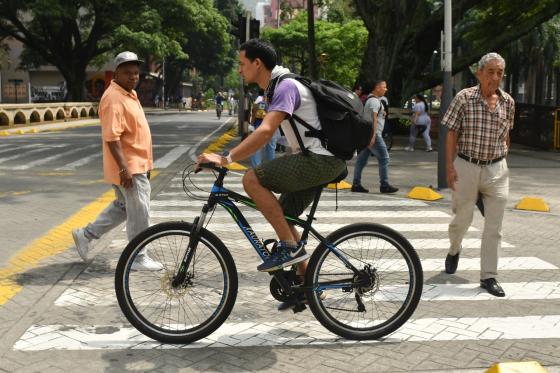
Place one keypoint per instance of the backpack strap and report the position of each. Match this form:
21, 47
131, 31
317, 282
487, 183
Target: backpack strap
311, 131
303, 149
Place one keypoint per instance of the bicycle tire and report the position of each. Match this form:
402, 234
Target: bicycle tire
385, 239
166, 243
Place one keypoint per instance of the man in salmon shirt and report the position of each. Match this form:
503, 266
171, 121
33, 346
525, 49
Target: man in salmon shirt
127, 161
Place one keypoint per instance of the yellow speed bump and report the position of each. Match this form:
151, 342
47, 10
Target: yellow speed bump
521, 367
340, 185
532, 204
20, 132
424, 193
4, 133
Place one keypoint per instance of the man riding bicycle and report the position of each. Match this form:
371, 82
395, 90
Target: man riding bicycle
295, 176
219, 99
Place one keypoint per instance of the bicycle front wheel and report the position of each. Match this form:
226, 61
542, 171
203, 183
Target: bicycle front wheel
377, 301
185, 313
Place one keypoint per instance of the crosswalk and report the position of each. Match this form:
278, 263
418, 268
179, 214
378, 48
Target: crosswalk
71, 157
453, 308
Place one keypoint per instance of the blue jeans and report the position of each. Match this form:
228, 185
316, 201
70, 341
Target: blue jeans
380, 151
269, 151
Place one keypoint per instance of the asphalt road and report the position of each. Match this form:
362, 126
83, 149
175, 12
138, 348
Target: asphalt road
46, 177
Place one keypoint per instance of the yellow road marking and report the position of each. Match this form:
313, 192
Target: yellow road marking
55, 173
58, 239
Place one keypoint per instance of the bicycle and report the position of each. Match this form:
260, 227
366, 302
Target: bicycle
219, 109
363, 281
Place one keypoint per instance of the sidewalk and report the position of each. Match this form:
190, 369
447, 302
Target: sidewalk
43, 127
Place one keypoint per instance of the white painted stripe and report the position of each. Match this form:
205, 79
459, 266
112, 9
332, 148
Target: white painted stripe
171, 156
33, 151
324, 202
330, 227
247, 334
504, 264
443, 243
92, 297
221, 213
41, 161
80, 162
18, 148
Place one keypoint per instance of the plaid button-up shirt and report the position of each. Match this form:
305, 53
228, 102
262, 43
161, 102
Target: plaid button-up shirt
481, 133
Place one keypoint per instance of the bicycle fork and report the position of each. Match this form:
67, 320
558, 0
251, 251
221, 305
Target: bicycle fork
181, 275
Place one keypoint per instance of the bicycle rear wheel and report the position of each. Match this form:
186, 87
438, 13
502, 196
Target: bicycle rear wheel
186, 313
388, 299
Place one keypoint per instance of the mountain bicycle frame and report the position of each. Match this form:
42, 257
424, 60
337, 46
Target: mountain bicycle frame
226, 198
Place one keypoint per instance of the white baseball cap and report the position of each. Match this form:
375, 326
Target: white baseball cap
125, 57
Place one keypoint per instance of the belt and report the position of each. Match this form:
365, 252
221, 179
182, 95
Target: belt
479, 162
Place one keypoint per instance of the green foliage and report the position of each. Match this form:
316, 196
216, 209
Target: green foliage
71, 34
339, 46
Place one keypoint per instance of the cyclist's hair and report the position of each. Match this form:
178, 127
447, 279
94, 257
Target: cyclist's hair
263, 50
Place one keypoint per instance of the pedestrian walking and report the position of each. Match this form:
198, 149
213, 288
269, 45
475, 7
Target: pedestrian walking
127, 161
478, 121
375, 113
421, 124
257, 115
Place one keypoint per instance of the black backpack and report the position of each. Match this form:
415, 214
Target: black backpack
344, 131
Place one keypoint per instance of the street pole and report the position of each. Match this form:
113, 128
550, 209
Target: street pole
311, 38
446, 97
241, 107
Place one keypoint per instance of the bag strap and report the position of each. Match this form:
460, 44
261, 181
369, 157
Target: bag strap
303, 149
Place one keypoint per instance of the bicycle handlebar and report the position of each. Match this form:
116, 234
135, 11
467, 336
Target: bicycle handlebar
209, 165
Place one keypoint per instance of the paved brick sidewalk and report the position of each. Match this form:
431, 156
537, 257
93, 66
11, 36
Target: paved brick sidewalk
76, 321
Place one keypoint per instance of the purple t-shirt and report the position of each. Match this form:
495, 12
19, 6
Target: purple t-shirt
286, 98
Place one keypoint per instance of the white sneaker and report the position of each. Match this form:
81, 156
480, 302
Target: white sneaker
82, 243
408, 149
144, 263
429, 149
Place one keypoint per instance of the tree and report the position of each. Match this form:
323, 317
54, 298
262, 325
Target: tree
208, 44
337, 61
402, 36
71, 34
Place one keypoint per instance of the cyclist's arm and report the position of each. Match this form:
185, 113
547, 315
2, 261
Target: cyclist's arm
252, 143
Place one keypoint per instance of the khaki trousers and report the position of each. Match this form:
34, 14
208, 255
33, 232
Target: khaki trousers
493, 182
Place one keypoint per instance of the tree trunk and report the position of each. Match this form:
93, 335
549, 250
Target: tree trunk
311, 40
75, 77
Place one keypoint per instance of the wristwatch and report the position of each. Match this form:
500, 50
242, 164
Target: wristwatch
227, 157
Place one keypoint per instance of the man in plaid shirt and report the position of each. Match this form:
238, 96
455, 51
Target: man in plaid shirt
478, 121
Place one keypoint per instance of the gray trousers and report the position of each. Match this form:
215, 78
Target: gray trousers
493, 182
132, 205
